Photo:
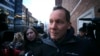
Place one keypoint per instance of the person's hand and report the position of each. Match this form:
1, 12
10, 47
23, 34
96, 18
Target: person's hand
30, 53
22, 53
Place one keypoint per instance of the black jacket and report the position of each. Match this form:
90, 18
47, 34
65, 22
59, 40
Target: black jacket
69, 46
32, 47
3, 26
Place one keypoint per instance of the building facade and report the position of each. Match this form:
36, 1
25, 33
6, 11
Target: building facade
8, 7
18, 15
81, 9
27, 17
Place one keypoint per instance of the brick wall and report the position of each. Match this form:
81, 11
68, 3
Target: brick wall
69, 4
83, 6
97, 8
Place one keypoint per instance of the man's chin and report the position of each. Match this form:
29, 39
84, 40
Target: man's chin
54, 37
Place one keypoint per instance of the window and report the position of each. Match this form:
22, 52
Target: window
88, 14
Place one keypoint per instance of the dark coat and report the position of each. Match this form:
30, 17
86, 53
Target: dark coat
69, 46
3, 26
32, 47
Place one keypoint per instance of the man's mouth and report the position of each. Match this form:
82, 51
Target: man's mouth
54, 33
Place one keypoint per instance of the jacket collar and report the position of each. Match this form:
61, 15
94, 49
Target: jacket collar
48, 41
68, 39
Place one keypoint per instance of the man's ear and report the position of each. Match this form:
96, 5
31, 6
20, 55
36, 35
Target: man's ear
69, 25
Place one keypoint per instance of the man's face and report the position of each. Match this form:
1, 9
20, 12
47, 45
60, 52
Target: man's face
81, 33
58, 24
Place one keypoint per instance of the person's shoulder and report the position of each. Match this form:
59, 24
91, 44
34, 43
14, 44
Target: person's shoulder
82, 41
86, 42
39, 41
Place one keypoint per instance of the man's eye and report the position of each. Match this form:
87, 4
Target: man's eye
60, 22
51, 21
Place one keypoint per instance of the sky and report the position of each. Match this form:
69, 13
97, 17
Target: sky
40, 9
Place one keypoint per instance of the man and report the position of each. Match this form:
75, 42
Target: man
60, 42
82, 33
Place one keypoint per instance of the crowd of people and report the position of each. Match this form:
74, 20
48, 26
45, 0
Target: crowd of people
60, 40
